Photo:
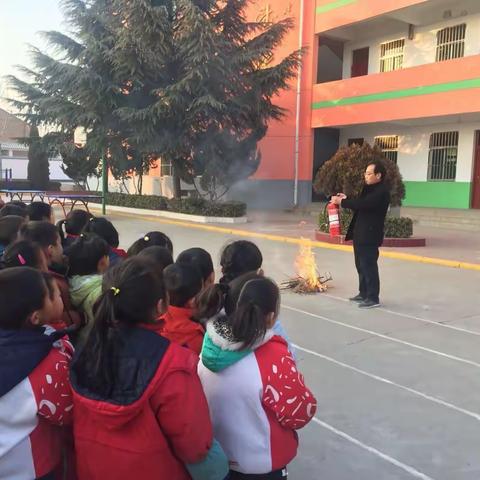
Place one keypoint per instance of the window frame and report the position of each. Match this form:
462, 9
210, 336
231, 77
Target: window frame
390, 151
392, 57
451, 42
441, 167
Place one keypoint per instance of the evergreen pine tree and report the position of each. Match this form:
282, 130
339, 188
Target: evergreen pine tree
184, 80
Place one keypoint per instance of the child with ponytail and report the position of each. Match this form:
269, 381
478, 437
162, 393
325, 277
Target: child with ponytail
139, 408
241, 353
72, 226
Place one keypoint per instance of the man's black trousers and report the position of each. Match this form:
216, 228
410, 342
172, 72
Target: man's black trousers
366, 261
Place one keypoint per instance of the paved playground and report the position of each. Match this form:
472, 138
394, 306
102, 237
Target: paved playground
398, 387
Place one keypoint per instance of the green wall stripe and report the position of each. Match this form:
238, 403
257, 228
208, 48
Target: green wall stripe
407, 92
437, 194
334, 5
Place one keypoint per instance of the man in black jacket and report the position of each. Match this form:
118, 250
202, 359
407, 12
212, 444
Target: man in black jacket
367, 231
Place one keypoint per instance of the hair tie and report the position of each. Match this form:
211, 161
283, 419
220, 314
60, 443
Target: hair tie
146, 238
21, 259
115, 291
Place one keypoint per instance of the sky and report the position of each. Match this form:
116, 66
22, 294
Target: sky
20, 20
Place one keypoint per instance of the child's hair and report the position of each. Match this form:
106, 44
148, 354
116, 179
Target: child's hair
239, 257
43, 233
85, 253
9, 227
247, 301
39, 211
183, 282
200, 258
258, 298
74, 223
11, 209
22, 254
22, 292
131, 292
222, 296
160, 257
151, 239
103, 228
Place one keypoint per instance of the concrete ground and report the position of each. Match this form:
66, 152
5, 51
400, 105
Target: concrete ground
399, 387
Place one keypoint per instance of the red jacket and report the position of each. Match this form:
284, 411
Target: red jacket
179, 328
155, 420
35, 402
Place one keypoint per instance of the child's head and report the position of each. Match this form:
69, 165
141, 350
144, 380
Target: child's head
183, 283
29, 298
238, 258
46, 235
201, 259
25, 254
9, 228
87, 255
40, 212
222, 296
151, 239
159, 257
256, 311
103, 228
75, 222
133, 293
12, 209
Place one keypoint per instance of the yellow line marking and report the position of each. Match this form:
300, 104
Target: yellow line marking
408, 257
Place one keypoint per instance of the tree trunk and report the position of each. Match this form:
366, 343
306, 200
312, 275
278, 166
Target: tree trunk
177, 188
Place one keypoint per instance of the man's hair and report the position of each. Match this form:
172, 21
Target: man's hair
379, 168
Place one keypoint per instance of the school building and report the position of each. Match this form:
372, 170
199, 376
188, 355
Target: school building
402, 74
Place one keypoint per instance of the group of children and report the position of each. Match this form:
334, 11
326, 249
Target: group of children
133, 365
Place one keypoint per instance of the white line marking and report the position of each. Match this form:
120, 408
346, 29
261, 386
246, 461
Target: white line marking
413, 317
425, 396
386, 337
406, 468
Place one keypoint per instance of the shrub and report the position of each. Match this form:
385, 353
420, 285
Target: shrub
201, 206
395, 227
192, 206
344, 173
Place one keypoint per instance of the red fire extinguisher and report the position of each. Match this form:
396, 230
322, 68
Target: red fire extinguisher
334, 219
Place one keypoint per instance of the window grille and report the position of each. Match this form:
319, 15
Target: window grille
165, 168
451, 42
442, 157
389, 146
391, 55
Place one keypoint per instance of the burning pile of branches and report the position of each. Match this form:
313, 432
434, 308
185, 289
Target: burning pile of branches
307, 280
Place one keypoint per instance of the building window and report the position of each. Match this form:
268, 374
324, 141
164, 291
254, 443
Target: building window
389, 146
355, 141
391, 55
451, 42
165, 168
4, 153
442, 157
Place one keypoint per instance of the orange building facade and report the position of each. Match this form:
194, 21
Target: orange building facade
402, 74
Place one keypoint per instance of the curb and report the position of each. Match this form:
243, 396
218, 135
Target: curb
314, 243
387, 242
174, 215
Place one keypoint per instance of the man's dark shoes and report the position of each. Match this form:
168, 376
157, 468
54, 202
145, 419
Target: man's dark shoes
357, 299
369, 304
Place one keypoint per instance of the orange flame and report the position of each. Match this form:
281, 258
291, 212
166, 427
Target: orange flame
307, 267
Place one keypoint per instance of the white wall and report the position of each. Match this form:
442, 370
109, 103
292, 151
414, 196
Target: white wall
414, 144
419, 51
19, 168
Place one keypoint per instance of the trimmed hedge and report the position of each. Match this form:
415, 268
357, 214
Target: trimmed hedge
395, 227
192, 206
26, 185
